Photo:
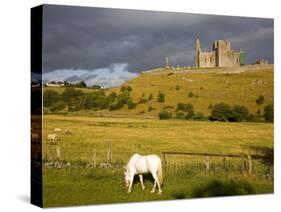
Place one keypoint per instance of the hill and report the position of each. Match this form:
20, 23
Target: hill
207, 87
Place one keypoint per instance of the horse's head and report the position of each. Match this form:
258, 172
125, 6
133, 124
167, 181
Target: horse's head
126, 178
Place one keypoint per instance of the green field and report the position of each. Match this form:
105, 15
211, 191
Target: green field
184, 177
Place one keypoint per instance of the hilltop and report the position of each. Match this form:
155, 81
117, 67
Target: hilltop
208, 87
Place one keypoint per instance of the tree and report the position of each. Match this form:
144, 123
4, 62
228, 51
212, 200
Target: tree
71, 96
161, 97
165, 115
220, 112
238, 113
81, 84
269, 113
260, 100
50, 97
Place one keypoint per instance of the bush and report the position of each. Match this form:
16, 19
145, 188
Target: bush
269, 113
131, 105
161, 97
180, 114
142, 100
210, 106
60, 105
171, 73
190, 94
150, 108
220, 112
198, 116
169, 107
50, 97
165, 115
150, 97
260, 100
177, 87
238, 113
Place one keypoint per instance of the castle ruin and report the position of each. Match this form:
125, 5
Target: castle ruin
221, 55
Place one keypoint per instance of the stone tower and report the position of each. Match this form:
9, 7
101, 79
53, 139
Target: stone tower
197, 53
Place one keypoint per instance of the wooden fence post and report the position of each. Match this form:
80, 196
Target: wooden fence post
58, 153
207, 163
250, 166
94, 158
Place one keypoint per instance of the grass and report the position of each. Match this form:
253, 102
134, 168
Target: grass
185, 177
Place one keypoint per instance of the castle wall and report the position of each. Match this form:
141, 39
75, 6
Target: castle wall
221, 56
207, 59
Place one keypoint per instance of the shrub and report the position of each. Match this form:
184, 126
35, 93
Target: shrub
210, 106
142, 100
258, 112
150, 108
190, 94
269, 113
60, 105
180, 114
50, 97
220, 112
165, 115
238, 113
177, 87
131, 105
198, 116
171, 73
260, 100
150, 97
169, 107
161, 97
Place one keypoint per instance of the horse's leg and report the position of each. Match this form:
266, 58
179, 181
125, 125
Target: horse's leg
154, 186
131, 183
157, 181
141, 181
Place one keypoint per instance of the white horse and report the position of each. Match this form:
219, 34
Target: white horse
139, 165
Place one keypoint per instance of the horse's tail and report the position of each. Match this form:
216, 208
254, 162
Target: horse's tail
160, 173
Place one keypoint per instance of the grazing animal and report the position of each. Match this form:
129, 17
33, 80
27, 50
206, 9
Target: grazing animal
34, 137
57, 129
52, 138
139, 165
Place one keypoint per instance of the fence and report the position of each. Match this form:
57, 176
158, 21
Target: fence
248, 165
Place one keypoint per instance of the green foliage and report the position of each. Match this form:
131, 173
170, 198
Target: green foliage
81, 84
150, 108
143, 100
238, 113
190, 94
71, 95
269, 113
131, 105
168, 107
150, 97
50, 97
95, 100
60, 105
180, 114
161, 97
220, 112
198, 116
165, 115
128, 88
258, 111
260, 100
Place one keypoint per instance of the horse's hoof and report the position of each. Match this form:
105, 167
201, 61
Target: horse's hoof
160, 192
152, 191
143, 188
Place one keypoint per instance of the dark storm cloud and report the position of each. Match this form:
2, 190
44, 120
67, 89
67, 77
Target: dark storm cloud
94, 38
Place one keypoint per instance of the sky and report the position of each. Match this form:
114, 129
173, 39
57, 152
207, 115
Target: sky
109, 46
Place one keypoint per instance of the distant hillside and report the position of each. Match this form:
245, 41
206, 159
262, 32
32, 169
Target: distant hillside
209, 86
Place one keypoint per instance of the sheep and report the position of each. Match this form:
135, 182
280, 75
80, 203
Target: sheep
53, 138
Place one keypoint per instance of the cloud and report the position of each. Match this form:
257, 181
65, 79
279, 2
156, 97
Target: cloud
114, 75
86, 38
